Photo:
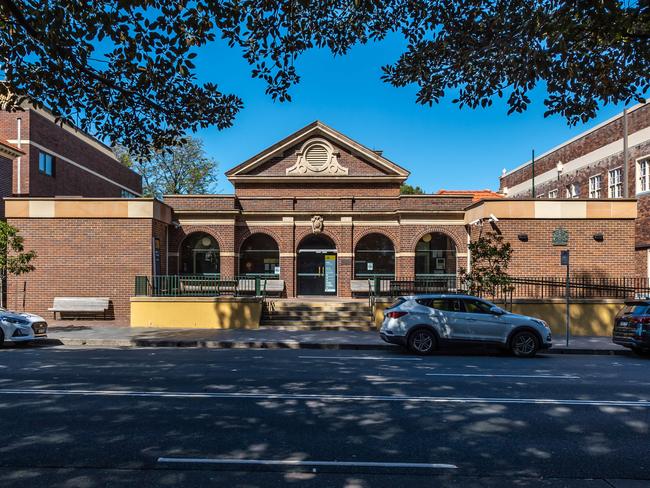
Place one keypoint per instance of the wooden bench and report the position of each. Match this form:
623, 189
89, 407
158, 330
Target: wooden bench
363, 286
79, 305
274, 287
247, 286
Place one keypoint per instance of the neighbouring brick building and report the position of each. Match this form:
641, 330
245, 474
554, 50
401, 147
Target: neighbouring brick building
40, 158
317, 211
592, 166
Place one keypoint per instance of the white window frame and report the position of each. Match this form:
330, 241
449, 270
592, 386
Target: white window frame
611, 188
596, 191
571, 191
643, 185
553, 194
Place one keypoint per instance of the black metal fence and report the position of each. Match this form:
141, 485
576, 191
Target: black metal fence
200, 285
580, 287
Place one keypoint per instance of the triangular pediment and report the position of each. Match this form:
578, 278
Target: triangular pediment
317, 151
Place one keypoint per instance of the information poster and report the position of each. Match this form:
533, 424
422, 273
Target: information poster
330, 273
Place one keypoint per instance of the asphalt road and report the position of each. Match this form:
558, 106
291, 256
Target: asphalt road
256, 418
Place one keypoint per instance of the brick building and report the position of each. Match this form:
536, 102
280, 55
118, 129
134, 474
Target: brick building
40, 158
592, 166
315, 211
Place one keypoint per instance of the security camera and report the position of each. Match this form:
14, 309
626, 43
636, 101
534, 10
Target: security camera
476, 222
493, 218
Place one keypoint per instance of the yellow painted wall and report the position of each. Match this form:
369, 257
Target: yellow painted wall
588, 318
200, 313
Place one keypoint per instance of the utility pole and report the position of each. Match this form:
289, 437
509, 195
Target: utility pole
626, 192
533, 160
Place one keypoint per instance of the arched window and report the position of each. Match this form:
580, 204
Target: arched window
374, 256
200, 255
259, 256
435, 255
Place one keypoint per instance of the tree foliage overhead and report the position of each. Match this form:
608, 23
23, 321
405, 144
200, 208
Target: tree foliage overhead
179, 170
125, 69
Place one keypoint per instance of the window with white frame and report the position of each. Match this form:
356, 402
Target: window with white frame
573, 191
553, 193
595, 185
643, 175
615, 186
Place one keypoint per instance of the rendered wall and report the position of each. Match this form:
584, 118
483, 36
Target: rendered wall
196, 312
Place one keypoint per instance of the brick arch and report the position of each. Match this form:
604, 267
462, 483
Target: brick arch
460, 246
188, 231
183, 233
392, 238
301, 237
241, 238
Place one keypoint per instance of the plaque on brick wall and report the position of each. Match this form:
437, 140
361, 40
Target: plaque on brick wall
560, 237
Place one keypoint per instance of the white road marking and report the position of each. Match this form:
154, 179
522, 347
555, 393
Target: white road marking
371, 358
325, 397
297, 462
488, 375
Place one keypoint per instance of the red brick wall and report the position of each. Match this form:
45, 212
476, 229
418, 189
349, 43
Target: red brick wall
84, 257
302, 189
614, 257
643, 221
68, 179
642, 262
607, 134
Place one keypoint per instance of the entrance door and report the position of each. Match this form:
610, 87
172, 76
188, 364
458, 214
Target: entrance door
317, 270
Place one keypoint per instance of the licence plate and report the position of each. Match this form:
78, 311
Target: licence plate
623, 323
39, 330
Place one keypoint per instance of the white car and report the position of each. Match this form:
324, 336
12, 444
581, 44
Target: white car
21, 327
424, 322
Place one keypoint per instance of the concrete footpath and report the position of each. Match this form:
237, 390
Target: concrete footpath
101, 334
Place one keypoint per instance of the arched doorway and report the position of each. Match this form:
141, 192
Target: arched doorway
435, 259
317, 269
200, 255
374, 257
259, 255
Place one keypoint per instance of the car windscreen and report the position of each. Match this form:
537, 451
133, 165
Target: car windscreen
635, 309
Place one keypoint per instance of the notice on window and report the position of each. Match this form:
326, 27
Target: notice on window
330, 273
370, 265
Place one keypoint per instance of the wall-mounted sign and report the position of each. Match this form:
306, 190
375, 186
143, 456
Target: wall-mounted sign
564, 258
560, 237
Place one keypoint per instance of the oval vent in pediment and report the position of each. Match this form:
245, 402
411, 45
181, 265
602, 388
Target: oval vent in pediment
317, 156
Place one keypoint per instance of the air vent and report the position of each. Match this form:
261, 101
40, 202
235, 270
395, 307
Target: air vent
317, 156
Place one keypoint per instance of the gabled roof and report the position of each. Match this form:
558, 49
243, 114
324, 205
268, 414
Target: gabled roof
318, 129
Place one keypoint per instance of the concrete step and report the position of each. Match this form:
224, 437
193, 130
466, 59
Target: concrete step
320, 327
282, 314
314, 321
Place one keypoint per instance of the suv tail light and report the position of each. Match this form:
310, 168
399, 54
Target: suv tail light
395, 315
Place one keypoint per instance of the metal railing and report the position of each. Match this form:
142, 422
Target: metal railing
201, 285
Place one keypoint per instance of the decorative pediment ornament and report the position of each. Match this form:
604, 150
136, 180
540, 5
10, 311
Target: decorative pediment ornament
317, 158
317, 224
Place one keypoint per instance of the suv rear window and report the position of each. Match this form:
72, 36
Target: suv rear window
397, 303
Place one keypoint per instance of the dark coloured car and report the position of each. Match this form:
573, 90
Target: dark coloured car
632, 326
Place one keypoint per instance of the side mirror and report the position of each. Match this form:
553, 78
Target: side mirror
497, 311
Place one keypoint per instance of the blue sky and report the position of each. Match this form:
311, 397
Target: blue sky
443, 146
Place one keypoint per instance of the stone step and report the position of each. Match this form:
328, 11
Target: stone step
364, 328
317, 315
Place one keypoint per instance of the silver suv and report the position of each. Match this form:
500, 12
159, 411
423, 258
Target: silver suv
423, 322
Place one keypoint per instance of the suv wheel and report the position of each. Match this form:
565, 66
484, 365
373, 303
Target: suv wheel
423, 342
524, 344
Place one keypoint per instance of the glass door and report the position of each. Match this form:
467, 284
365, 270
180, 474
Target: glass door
316, 272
